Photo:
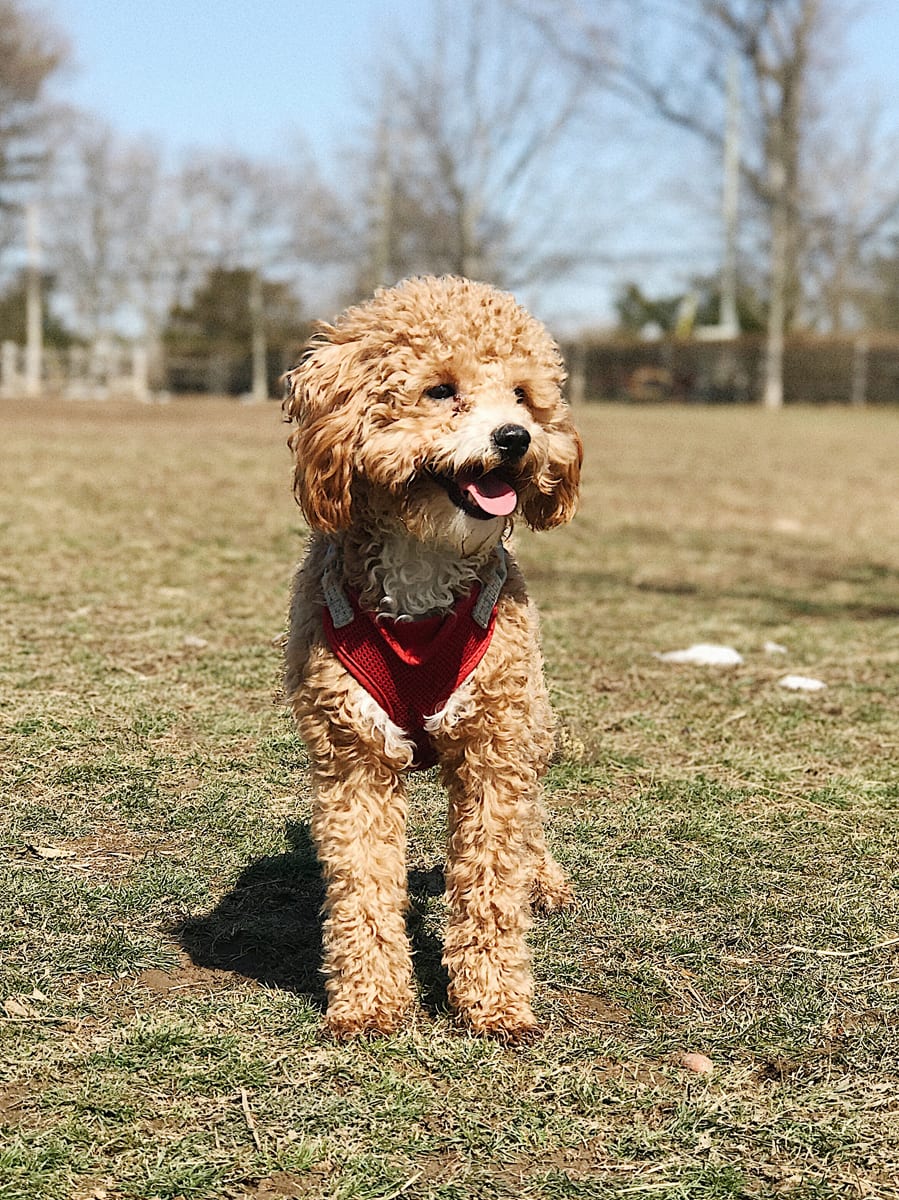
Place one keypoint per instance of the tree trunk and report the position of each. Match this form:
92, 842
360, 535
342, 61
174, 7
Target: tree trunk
773, 390
34, 345
257, 318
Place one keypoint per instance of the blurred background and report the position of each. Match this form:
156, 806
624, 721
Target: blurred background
700, 197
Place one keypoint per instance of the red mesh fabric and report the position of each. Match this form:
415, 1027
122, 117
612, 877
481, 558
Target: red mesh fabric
411, 667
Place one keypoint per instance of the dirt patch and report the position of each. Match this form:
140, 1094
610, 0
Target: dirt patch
91, 1191
577, 1161
12, 1100
585, 1006
283, 1184
440, 1167
598, 1009
111, 852
184, 977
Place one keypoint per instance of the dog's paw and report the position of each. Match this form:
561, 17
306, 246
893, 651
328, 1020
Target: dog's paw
351, 1015
517, 1027
342, 1026
550, 891
507, 1018
515, 1035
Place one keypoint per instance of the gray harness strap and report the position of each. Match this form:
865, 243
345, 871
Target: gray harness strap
493, 585
332, 589
342, 611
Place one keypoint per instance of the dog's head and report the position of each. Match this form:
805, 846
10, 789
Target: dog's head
437, 401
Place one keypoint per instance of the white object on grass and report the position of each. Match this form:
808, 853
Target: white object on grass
704, 654
774, 648
700, 1064
787, 525
801, 683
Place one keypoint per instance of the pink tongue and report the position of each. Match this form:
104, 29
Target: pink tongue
492, 494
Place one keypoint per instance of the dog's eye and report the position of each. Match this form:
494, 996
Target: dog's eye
521, 395
441, 391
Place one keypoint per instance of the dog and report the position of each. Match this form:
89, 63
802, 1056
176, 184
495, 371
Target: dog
428, 419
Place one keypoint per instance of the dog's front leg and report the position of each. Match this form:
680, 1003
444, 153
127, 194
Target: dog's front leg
489, 874
358, 826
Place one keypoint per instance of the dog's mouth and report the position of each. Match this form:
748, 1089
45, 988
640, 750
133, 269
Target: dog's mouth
482, 496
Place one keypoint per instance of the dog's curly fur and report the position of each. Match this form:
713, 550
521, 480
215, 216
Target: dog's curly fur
394, 404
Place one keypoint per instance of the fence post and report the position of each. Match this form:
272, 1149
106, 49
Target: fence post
858, 394
577, 373
259, 350
8, 373
34, 341
140, 373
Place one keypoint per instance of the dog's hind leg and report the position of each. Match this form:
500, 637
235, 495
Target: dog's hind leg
550, 889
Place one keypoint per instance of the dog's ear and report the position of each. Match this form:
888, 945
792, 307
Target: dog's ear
314, 384
319, 398
553, 500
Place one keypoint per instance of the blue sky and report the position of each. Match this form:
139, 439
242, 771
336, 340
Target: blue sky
226, 73
229, 72
240, 75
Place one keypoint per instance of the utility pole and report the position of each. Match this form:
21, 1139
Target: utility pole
34, 348
728, 318
728, 325
773, 385
260, 349
382, 242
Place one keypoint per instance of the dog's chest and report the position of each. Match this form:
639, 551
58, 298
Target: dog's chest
416, 580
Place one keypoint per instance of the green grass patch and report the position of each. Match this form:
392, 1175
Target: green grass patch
734, 846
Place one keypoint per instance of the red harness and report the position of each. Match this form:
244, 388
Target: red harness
411, 667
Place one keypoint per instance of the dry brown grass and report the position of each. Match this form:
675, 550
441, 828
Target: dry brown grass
734, 845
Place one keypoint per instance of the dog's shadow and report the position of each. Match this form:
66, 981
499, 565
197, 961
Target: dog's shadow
268, 927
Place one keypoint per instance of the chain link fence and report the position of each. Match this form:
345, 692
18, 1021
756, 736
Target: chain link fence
817, 370
77, 372
853, 371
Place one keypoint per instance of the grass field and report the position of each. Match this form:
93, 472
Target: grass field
735, 846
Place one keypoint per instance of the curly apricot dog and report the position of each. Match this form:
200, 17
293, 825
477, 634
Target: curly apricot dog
427, 419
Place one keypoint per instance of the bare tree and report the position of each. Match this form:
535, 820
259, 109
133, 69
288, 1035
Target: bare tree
854, 194
31, 50
465, 161
236, 208
130, 240
103, 226
879, 301
240, 216
777, 44
669, 58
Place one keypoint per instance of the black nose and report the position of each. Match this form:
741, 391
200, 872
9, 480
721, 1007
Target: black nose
511, 441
